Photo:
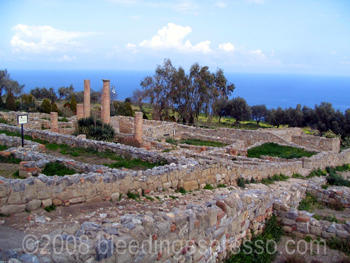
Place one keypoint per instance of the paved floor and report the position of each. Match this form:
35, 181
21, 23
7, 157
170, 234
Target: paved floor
10, 238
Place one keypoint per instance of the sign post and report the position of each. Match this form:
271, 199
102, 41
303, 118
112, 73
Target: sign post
22, 119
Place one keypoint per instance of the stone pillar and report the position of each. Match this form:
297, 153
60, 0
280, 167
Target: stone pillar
54, 121
138, 126
105, 102
80, 111
87, 92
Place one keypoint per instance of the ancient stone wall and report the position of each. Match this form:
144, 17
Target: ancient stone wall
125, 126
320, 143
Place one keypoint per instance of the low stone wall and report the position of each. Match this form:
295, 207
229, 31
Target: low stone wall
302, 224
39, 121
120, 149
324, 159
126, 126
238, 143
320, 143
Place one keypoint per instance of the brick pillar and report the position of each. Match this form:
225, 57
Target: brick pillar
80, 111
54, 121
105, 102
87, 98
138, 126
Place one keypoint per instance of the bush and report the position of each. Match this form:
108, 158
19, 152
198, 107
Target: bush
54, 107
10, 101
57, 168
95, 129
73, 104
46, 106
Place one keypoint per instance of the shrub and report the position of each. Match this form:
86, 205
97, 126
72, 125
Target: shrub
241, 182
54, 107
10, 101
73, 105
46, 106
128, 109
95, 129
57, 168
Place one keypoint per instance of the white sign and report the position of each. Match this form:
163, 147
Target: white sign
22, 119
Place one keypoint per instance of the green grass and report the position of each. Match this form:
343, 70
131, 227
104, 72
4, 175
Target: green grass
3, 147
342, 245
309, 203
57, 168
64, 119
133, 196
133, 163
241, 182
296, 175
2, 120
334, 178
256, 249
208, 187
149, 198
181, 190
317, 172
50, 208
198, 142
10, 159
221, 186
16, 175
343, 168
275, 150
271, 180
328, 218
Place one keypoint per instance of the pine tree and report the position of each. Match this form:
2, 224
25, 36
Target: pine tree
10, 101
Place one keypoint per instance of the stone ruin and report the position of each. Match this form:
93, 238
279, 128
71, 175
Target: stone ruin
203, 227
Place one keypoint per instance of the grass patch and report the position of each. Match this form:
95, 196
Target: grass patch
276, 177
317, 172
328, 218
16, 175
57, 168
202, 143
50, 208
275, 150
133, 163
173, 197
149, 198
208, 187
64, 119
334, 178
221, 186
241, 182
2, 120
133, 196
3, 147
309, 203
342, 245
343, 168
171, 141
10, 159
257, 249
296, 175
181, 190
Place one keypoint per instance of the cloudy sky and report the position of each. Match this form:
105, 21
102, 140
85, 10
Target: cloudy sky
267, 36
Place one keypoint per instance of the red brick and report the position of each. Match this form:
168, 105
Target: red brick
173, 228
303, 219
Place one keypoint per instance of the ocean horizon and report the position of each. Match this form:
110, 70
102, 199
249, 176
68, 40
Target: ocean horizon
273, 90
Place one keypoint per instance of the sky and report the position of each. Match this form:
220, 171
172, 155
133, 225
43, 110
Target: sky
250, 36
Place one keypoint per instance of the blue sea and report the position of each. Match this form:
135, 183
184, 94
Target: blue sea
273, 90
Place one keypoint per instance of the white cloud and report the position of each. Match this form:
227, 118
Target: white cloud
334, 52
131, 46
221, 4
172, 37
257, 54
226, 47
66, 58
42, 39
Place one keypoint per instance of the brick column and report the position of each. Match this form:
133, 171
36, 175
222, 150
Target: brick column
87, 98
138, 126
54, 121
105, 102
80, 111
